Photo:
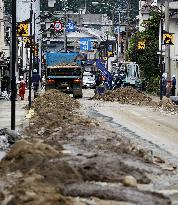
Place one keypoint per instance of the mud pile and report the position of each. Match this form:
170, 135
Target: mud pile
125, 95
167, 105
53, 112
54, 99
35, 175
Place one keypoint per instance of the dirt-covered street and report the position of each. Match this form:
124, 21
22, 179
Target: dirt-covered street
93, 152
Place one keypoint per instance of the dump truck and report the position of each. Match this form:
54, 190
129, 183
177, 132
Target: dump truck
64, 72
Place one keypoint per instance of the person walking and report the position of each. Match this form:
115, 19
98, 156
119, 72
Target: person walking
21, 88
36, 79
173, 88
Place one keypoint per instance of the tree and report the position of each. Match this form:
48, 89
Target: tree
104, 6
147, 58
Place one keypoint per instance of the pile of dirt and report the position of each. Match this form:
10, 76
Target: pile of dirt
125, 95
35, 174
167, 105
53, 112
54, 99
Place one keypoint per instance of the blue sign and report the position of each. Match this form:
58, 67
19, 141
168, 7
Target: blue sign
70, 27
86, 44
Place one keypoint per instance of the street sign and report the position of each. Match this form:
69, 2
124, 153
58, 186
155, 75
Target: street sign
168, 38
86, 44
141, 45
23, 29
70, 27
58, 26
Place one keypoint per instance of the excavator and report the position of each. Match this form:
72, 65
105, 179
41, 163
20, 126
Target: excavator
131, 74
128, 71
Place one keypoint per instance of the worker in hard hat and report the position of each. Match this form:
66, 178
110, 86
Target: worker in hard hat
173, 86
36, 79
164, 83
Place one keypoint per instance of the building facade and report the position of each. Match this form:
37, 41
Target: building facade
5, 29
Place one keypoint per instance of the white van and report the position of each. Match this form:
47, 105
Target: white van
88, 80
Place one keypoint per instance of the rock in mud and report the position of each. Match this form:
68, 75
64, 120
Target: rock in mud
129, 181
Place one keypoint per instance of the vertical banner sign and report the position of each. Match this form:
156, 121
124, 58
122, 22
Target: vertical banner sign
86, 44
168, 38
23, 29
141, 45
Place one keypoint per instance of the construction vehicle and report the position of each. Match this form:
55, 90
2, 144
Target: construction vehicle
64, 72
130, 74
105, 73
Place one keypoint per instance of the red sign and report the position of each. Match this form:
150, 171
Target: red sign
58, 26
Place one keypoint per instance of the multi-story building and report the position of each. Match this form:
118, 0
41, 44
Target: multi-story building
5, 27
144, 10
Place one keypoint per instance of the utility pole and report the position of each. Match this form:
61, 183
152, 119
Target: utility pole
161, 52
65, 34
13, 66
85, 6
118, 37
127, 29
34, 41
31, 55
167, 47
107, 46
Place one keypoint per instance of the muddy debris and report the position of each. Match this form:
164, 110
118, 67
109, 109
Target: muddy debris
54, 112
44, 159
99, 169
129, 95
36, 175
39, 169
166, 105
125, 95
117, 193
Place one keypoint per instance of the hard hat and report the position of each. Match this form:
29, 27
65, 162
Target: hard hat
164, 75
173, 76
21, 77
35, 70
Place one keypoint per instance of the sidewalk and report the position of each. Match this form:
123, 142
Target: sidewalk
5, 112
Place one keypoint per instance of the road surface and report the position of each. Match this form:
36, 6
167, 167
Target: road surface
144, 124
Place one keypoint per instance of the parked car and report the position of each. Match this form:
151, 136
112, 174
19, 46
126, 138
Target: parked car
88, 80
